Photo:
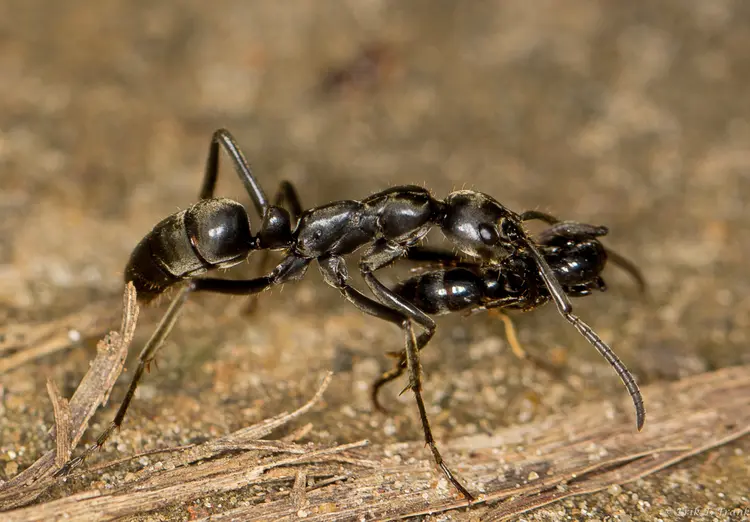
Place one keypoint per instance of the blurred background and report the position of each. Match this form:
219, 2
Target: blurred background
634, 115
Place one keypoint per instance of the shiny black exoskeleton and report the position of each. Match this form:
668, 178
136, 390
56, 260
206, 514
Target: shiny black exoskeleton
571, 250
574, 254
216, 233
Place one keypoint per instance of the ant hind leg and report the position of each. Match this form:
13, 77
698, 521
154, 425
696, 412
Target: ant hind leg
144, 360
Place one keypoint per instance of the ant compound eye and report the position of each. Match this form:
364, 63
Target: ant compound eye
488, 234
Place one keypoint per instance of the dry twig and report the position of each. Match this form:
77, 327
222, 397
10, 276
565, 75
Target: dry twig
93, 391
523, 466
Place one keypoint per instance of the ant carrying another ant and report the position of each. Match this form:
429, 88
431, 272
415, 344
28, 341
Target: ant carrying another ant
512, 270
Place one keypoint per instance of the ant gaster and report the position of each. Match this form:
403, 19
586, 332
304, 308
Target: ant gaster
215, 233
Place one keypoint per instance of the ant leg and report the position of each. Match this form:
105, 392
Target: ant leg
625, 376
287, 194
382, 254
415, 382
510, 333
290, 269
531, 215
400, 366
224, 138
335, 274
395, 372
628, 266
144, 359
392, 374
379, 255
333, 269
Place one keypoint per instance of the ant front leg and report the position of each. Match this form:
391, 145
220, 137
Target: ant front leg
382, 254
224, 139
432, 257
333, 269
531, 215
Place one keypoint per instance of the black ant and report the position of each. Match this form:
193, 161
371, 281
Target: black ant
215, 233
573, 252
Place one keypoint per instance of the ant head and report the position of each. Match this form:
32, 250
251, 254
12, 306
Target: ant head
479, 226
575, 256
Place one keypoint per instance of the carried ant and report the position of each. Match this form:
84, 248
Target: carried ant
573, 252
215, 233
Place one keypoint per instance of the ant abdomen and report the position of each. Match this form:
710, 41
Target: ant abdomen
443, 291
213, 233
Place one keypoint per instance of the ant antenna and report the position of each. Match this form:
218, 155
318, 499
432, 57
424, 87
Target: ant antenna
565, 308
625, 376
553, 285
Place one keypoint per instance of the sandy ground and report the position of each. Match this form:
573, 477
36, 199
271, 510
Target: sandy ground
633, 115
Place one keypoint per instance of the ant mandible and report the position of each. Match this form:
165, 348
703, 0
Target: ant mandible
215, 233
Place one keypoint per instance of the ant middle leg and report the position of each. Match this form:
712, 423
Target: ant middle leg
394, 373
